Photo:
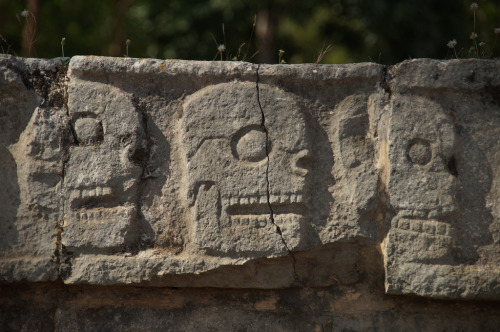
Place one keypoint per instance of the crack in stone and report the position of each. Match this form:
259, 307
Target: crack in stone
386, 77
144, 240
62, 256
268, 189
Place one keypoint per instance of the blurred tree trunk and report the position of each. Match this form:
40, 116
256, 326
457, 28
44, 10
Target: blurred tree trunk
29, 20
267, 20
120, 8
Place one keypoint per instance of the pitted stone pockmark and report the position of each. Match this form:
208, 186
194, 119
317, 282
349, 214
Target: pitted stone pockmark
230, 158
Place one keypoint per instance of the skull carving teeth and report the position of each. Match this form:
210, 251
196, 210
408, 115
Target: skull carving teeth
255, 206
79, 196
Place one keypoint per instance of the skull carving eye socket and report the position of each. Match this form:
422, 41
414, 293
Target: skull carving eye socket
88, 131
419, 152
249, 144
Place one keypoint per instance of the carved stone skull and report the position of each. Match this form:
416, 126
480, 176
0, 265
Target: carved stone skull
247, 183
422, 181
104, 168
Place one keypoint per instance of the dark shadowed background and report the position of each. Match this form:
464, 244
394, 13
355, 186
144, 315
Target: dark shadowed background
383, 31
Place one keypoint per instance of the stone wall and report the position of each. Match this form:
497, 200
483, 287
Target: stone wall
185, 195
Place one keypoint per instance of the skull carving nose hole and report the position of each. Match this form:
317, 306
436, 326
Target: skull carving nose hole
452, 166
302, 162
138, 155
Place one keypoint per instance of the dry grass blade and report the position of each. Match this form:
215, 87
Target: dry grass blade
324, 50
9, 47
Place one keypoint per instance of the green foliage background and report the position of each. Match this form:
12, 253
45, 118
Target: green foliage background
384, 31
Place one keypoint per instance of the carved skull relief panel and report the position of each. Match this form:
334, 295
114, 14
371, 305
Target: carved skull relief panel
421, 155
247, 155
103, 171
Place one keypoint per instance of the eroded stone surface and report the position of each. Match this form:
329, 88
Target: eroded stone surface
208, 174
247, 182
441, 182
33, 126
103, 170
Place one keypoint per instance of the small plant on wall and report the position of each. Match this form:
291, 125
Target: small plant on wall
477, 44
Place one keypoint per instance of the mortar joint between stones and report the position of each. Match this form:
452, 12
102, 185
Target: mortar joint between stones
385, 80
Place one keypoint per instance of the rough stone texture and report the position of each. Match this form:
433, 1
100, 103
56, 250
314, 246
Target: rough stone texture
33, 125
181, 171
350, 179
442, 173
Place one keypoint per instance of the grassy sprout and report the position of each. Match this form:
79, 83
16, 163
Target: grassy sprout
451, 44
323, 52
127, 43
29, 28
474, 6
220, 50
63, 41
280, 55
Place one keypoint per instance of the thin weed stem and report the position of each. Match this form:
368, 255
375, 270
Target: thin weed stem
63, 41
474, 34
29, 30
474, 11
9, 48
224, 38
323, 52
250, 39
220, 49
239, 52
33, 32
280, 55
127, 43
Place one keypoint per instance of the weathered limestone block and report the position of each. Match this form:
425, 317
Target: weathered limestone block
103, 169
227, 174
32, 152
441, 163
247, 156
203, 174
